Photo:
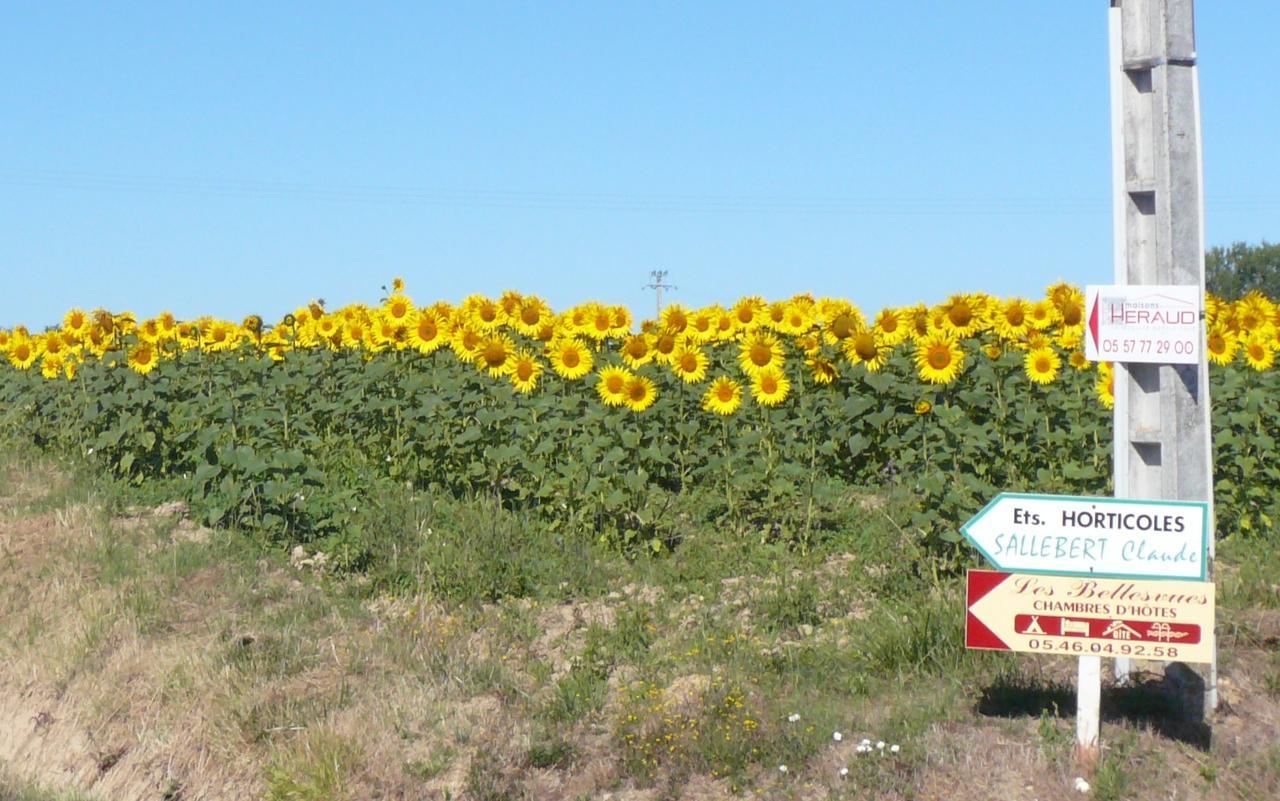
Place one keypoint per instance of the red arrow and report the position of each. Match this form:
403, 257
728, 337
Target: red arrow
976, 633
1093, 321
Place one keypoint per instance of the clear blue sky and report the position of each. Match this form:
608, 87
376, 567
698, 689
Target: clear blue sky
238, 157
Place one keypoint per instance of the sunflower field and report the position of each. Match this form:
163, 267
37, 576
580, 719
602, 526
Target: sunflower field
767, 412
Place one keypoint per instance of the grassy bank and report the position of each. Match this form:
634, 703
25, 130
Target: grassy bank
484, 656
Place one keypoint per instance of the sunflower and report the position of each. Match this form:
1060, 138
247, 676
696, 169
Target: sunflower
797, 320
810, 344
51, 365
842, 323
723, 397
217, 337
385, 333
126, 322
1070, 337
399, 310
1071, 310
23, 352
839, 318
748, 312
612, 386
674, 318
1077, 360
690, 364
569, 358
149, 331
531, 315
426, 334
1253, 311
640, 393
1011, 320
1221, 344
1042, 365
142, 357
187, 335
574, 322
939, 358
726, 327
481, 312
169, 326
923, 407
637, 350
891, 327
665, 345
1042, 314
465, 341
775, 314
1213, 309
703, 325
962, 315
549, 331
1105, 386
6, 336
494, 354
525, 371
760, 350
251, 325
918, 319
355, 333
865, 348
1259, 352
328, 330
823, 369
52, 343
276, 345
770, 386
76, 323
397, 284
600, 323
621, 321
993, 351
510, 303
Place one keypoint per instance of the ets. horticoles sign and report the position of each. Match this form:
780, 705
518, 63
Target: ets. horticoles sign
1104, 537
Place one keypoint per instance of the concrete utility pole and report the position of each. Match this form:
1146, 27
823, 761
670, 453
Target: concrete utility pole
1162, 434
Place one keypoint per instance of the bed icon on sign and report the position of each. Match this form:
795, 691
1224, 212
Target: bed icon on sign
1076, 628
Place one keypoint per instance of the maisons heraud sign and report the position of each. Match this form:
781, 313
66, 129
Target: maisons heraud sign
1141, 323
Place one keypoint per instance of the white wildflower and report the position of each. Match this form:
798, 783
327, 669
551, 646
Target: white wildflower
793, 717
1082, 785
895, 748
782, 768
844, 771
880, 745
837, 736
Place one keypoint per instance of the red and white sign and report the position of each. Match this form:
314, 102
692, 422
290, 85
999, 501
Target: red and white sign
1085, 616
1140, 323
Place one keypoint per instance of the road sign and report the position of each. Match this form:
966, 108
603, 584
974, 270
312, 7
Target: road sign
1086, 616
1143, 323
1104, 537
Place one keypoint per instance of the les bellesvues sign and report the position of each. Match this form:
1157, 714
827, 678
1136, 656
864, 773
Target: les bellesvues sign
1083, 616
